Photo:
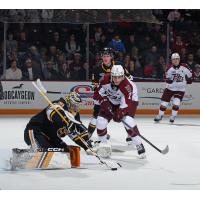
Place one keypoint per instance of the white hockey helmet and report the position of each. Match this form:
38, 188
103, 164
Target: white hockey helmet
175, 56
117, 70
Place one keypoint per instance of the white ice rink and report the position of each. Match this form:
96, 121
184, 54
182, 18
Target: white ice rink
179, 169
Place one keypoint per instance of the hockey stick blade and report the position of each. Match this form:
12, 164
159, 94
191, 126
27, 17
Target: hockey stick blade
38, 85
165, 150
109, 164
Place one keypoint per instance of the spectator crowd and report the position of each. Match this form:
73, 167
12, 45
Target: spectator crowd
57, 51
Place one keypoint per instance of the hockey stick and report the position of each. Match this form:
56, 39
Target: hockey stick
150, 79
61, 92
164, 151
42, 90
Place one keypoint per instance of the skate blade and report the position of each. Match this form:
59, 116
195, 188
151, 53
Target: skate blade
142, 156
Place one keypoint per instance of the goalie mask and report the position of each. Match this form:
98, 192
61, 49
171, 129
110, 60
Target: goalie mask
73, 101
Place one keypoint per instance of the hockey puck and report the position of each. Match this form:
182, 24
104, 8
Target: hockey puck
113, 169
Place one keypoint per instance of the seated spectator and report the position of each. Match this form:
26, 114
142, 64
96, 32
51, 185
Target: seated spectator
56, 41
136, 71
101, 43
116, 44
49, 72
149, 70
72, 46
178, 44
145, 43
64, 71
197, 73
152, 55
127, 61
98, 33
156, 33
174, 15
14, 56
52, 53
190, 61
13, 73
160, 68
131, 67
31, 70
183, 55
34, 54
119, 57
23, 44
76, 67
61, 58
136, 57
130, 43
11, 44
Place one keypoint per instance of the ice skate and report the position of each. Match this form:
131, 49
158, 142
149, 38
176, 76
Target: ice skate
141, 151
158, 118
172, 119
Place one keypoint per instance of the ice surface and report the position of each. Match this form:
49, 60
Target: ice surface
179, 169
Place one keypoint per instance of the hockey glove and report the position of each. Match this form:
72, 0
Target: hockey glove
120, 113
106, 107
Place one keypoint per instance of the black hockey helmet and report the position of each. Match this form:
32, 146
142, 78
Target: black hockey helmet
107, 51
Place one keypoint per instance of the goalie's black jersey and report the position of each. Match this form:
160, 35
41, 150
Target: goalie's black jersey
49, 123
103, 69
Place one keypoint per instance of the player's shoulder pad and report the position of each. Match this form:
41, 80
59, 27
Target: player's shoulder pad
169, 66
125, 87
105, 79
186, 66
118, 63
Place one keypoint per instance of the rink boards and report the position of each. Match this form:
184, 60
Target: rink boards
20, 97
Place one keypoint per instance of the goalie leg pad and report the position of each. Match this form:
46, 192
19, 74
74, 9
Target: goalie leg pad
27, 159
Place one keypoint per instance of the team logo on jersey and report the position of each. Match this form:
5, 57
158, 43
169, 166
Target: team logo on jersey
128, 88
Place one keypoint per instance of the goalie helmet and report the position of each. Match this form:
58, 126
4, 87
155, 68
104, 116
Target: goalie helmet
73, 101
117, 70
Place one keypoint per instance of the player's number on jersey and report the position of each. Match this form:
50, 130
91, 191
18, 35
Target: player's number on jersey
130, 96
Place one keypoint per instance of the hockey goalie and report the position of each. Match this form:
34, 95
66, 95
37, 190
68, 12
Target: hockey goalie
44, 133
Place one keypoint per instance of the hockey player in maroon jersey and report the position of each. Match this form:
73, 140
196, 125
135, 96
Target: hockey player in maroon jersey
118, 100
177, 76
105, 66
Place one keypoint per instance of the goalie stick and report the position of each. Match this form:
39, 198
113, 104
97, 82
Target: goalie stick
42, 91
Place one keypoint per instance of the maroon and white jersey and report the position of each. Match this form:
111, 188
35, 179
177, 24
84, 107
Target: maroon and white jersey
178, 77
120, 95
